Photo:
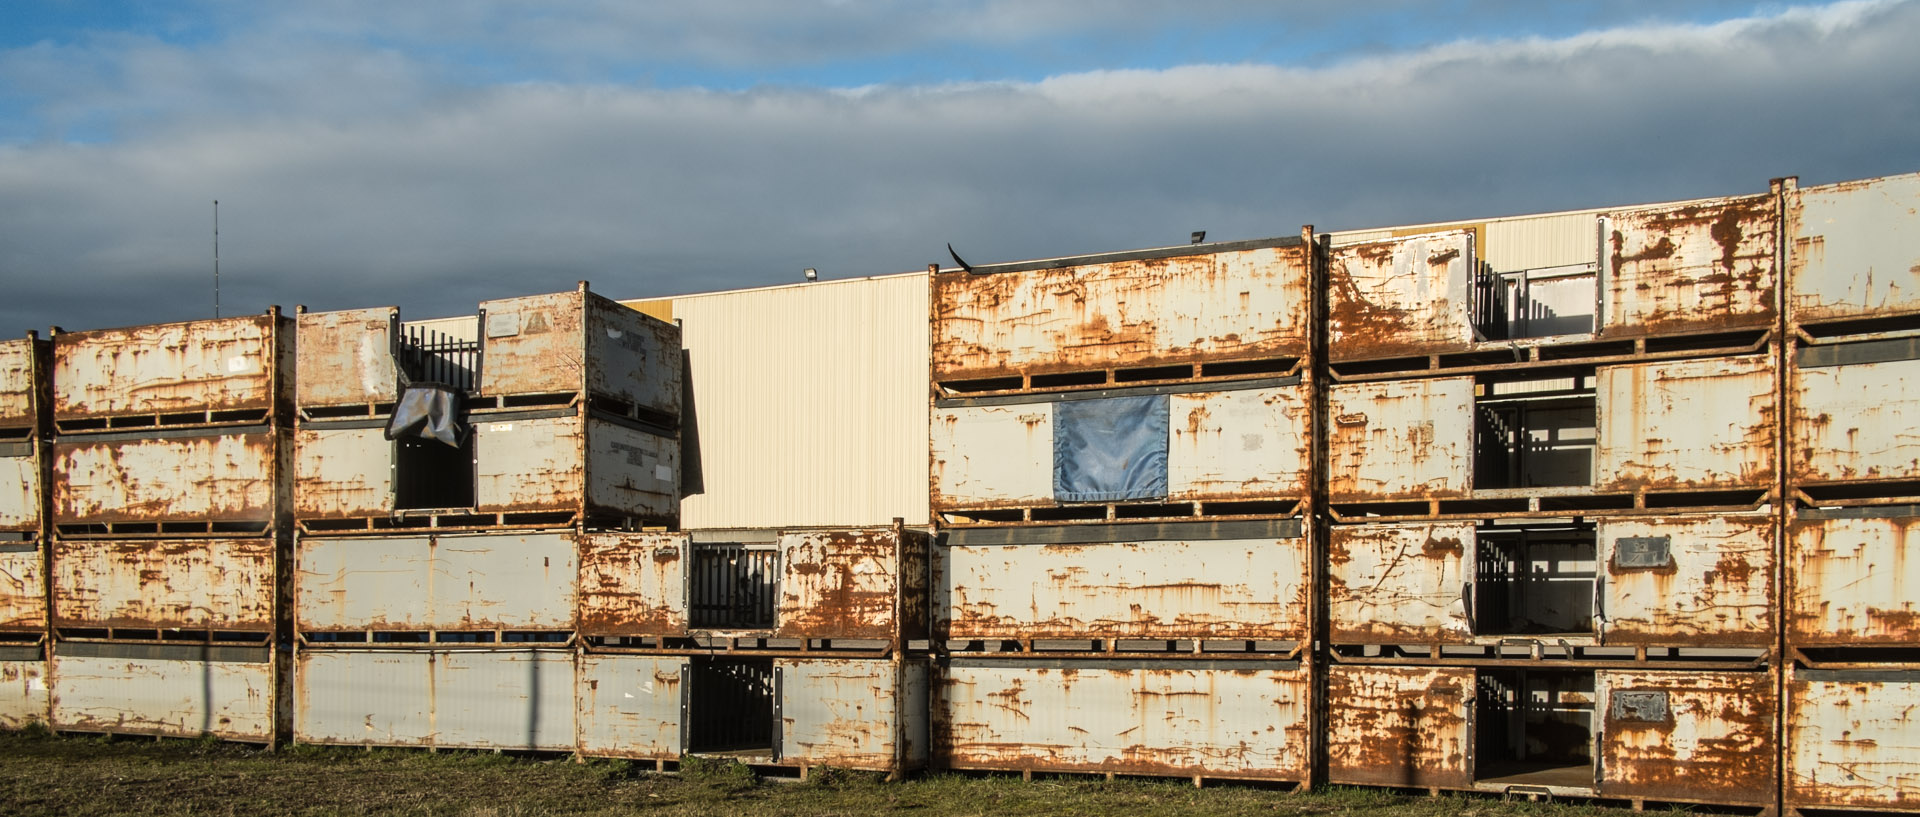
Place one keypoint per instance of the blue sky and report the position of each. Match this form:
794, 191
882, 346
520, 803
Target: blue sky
432, 154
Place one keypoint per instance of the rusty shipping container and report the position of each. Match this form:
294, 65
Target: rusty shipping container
1629, 733
858, 585
144, 480
1853, 581
228, 691
1246, 442
838, 712
497, 698
1186, 718
23, 588
23, 685
221, 584
1853, 413
1693, 580
579, 343
1169, 314
219, 371
1243, 580
1705, 267
1853, 251
507, 581
1853, 738
1631, 429
348, 359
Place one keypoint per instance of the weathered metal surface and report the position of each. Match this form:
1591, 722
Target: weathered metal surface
1714, 588
1400, 726
1854, 582
840, 366
1853, 739
1224, 589
1855, 249
561, 463
474, 699
20, 488
225, 364
1856, 421
1696, 736
629, 706
1702, 265
1400, 439
839, 584
1409, 583
1400, 296
1687, 424
1134, 313
852, 714
631, 471
992, 456
633, 584
574, 341
202, 477
218, 584
23, 589
1245, 444
1160, 718
177, 691
1222, 445
346, 358
23, 693
20, 376
494, 581
342, 472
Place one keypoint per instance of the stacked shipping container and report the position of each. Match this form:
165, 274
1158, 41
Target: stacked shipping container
1611, 503
170, 528
1122, 474
450, 474
1552, 477
1853, 470
24, 397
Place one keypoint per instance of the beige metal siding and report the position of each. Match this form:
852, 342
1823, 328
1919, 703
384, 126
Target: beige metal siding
808, 405
1533, 242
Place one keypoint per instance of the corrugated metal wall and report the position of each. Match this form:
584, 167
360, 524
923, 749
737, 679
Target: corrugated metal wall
808, 404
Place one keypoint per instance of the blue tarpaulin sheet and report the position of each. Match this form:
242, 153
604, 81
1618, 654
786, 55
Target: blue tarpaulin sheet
1110, 450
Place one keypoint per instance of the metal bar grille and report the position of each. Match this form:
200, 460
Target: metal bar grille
730, 706
732, 586
437, 357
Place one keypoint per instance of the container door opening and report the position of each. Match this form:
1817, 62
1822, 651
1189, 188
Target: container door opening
1535, 579
730, 706
1534, 728
733, 586
1535, 303
428, 473
1534, 433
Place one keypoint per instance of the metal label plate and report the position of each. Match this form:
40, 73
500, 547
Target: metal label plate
1645, 706
1643, 552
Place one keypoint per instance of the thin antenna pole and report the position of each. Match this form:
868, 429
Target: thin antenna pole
216, 258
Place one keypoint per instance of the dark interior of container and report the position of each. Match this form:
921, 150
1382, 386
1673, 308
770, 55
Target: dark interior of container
1535, 579
1535, 433
1534, 728
730, 705
427, 473
733, 586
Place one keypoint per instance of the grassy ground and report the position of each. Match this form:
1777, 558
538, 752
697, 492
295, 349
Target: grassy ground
43, 774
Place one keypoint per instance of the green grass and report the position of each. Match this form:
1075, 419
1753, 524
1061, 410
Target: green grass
44, 774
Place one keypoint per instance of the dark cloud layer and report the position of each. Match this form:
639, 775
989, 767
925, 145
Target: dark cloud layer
435, 197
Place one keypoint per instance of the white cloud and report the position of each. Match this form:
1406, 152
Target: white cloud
373, 180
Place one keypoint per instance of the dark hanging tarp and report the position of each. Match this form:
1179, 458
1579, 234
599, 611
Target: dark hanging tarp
430, 411
1110, 450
